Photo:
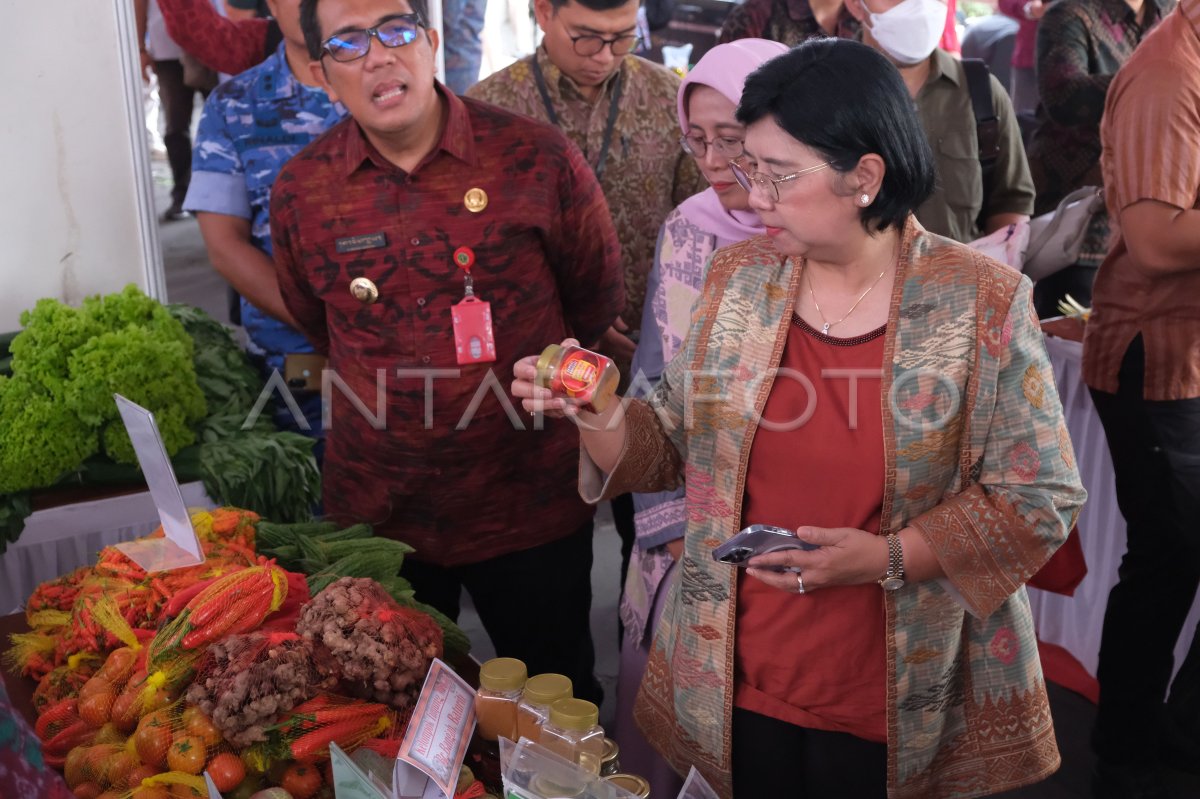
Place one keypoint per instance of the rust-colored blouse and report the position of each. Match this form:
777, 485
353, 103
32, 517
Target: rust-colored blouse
817, 660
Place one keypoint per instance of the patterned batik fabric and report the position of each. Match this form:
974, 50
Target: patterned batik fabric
646, 174
437, 453
977, 459
788, 21
1080, 46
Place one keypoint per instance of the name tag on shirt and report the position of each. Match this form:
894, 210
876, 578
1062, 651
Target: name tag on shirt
367, 241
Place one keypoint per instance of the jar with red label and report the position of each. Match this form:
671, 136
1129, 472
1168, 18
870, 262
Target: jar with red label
579, 374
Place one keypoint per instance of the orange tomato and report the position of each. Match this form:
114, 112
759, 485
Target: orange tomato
73, 769
86, 790
96, 707
227, 771
301, 780
125, 712
187, 754
152, 743
95, 685
120, 766
139, 773
96, 762
118, 666
199, 725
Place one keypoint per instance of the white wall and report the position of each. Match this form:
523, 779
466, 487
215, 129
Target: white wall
75, 203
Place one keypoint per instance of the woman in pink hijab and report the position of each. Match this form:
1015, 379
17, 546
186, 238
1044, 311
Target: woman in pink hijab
716, 217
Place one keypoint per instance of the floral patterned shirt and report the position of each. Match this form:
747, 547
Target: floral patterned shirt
645, 173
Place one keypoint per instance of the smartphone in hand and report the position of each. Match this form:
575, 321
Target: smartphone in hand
758, 539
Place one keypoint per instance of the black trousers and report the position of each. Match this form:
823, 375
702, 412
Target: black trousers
535, 604
178, 101
776, 760
1156, 457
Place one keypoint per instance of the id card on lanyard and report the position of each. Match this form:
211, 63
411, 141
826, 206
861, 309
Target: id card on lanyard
614, 108
474, 340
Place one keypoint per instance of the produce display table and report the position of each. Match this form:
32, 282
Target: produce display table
61, 538
1074, 622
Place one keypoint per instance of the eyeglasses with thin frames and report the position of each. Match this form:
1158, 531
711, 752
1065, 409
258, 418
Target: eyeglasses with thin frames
589, 44
767, 184
726, 146
394, 31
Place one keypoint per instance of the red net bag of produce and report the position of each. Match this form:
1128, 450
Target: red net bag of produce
60, 730
235, 603
64, 682
305, 733
375, 648
247, 681
167, 753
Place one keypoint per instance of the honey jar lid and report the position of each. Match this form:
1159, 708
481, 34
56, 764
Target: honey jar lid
543, 364
638, 786
574, 714
502, 674
611, 751
545, 689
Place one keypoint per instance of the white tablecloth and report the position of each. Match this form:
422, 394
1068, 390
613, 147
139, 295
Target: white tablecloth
58, 540
1075, 622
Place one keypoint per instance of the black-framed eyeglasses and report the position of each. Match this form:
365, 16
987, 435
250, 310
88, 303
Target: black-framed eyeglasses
589, 44
725, 146
767, 184
394, 31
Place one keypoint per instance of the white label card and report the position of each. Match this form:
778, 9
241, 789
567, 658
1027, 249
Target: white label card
180, 546
213, 793
696, 787
436, 741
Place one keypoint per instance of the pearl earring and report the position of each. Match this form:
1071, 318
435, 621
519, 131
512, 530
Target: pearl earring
865, 199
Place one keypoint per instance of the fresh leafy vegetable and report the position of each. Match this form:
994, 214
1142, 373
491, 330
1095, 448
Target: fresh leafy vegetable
56, 409
231, 385
14, 510
273, 474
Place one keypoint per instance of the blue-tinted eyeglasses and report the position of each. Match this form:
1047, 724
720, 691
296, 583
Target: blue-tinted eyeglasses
394, 31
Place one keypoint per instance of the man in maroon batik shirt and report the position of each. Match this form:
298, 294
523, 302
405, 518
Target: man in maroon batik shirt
428, 449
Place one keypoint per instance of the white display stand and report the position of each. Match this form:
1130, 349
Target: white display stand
58, 540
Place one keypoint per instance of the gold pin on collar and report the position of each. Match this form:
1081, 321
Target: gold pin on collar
475, 200
363, 290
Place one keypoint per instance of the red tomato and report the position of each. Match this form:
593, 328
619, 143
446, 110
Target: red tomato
152, 743
301, 780
227, 771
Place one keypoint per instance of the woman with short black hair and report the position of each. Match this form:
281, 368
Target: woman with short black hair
884, 393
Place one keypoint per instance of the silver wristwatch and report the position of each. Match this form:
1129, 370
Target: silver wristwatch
894, 579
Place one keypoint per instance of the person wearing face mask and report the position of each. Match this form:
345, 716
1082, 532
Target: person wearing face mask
964, 206
716, 217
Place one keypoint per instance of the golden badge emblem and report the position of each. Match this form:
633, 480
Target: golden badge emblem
363, 290
475, 200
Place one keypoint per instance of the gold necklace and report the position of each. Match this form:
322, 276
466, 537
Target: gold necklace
827, 324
